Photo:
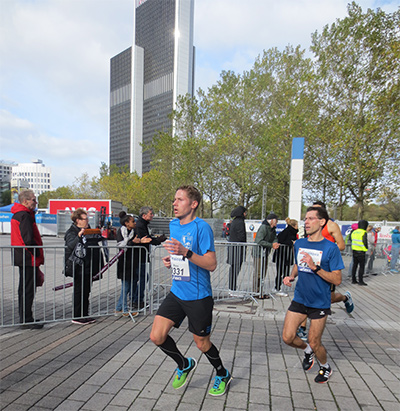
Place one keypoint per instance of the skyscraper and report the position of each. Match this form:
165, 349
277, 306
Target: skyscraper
147, 78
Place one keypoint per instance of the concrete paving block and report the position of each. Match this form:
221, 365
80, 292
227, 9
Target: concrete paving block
194, 395
241, 372
281, 403
390, 405
303, 400
98, 402
238, 384
366, 398
49, 402
324, 405
258, 381
143, 404
99, 378
69, 405
124, 398
112, 386
237, 400
167, 402
84, 392
259, 396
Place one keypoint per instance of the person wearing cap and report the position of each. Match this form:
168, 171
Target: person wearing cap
267, 239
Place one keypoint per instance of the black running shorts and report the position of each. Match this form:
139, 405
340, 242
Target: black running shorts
312, 313
198, 312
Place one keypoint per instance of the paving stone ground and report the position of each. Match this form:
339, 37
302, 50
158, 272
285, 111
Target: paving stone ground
112, 365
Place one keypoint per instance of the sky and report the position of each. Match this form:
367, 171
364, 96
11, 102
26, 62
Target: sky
55, 66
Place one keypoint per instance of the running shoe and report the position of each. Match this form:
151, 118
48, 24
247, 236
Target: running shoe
301, 333
349, 303
221, 385
323, 375
282, 294
181, 375
308, 361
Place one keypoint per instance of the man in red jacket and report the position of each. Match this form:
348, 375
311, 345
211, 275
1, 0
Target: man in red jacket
24, 232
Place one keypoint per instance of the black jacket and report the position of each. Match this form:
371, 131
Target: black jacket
237, 232
93, 262
142, 230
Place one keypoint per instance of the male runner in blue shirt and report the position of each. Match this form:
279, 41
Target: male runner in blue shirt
191, 258
318, 264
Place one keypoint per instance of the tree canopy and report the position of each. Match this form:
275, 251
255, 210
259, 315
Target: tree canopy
234, 139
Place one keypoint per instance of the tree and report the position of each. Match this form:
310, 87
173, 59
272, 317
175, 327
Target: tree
355, 144
60, 192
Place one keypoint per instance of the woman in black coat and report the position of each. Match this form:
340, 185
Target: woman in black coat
237, 234
82, 262
283, 256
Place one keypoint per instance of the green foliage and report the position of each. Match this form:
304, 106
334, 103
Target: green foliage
6, 197
60, 192
353, 150
235, 138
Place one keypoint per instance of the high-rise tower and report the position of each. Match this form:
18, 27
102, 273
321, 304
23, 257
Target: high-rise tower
147, 78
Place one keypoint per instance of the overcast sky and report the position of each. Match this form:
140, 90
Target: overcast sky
55, 65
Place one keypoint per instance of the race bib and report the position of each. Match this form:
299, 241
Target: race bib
180, 268
315, 254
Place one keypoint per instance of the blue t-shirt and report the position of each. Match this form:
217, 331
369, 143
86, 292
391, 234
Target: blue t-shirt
311, 290
198, 237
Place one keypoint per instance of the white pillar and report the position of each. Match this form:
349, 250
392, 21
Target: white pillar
296, 178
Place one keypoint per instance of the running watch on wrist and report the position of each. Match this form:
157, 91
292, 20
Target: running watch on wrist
188, 254
317, 268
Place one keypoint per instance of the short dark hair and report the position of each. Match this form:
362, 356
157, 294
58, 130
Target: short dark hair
124, 218
321, 213
77, 214
192, 192
321, 203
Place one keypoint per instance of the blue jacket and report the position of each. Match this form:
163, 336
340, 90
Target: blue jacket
395, 238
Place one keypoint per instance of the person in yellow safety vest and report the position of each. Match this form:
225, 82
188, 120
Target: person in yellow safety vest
359, 245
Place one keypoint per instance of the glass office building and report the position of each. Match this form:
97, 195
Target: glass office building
147, 78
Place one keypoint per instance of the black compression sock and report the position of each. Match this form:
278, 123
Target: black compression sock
213, 356
170, 348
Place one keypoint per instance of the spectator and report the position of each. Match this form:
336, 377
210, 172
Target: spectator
83, 260
371, 249
283, 256
266, 238
395, 249
126, 263
359, 245
236, 252
24, 232
146, 214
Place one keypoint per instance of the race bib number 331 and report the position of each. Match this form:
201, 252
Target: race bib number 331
180, 268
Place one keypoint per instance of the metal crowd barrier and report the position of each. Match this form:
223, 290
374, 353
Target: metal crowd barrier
244, 271
53, 300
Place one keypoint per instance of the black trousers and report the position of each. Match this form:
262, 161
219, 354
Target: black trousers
358, 260
82, 285
26, 293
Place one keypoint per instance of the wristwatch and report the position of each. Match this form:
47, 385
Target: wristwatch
188, 254
317, 268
